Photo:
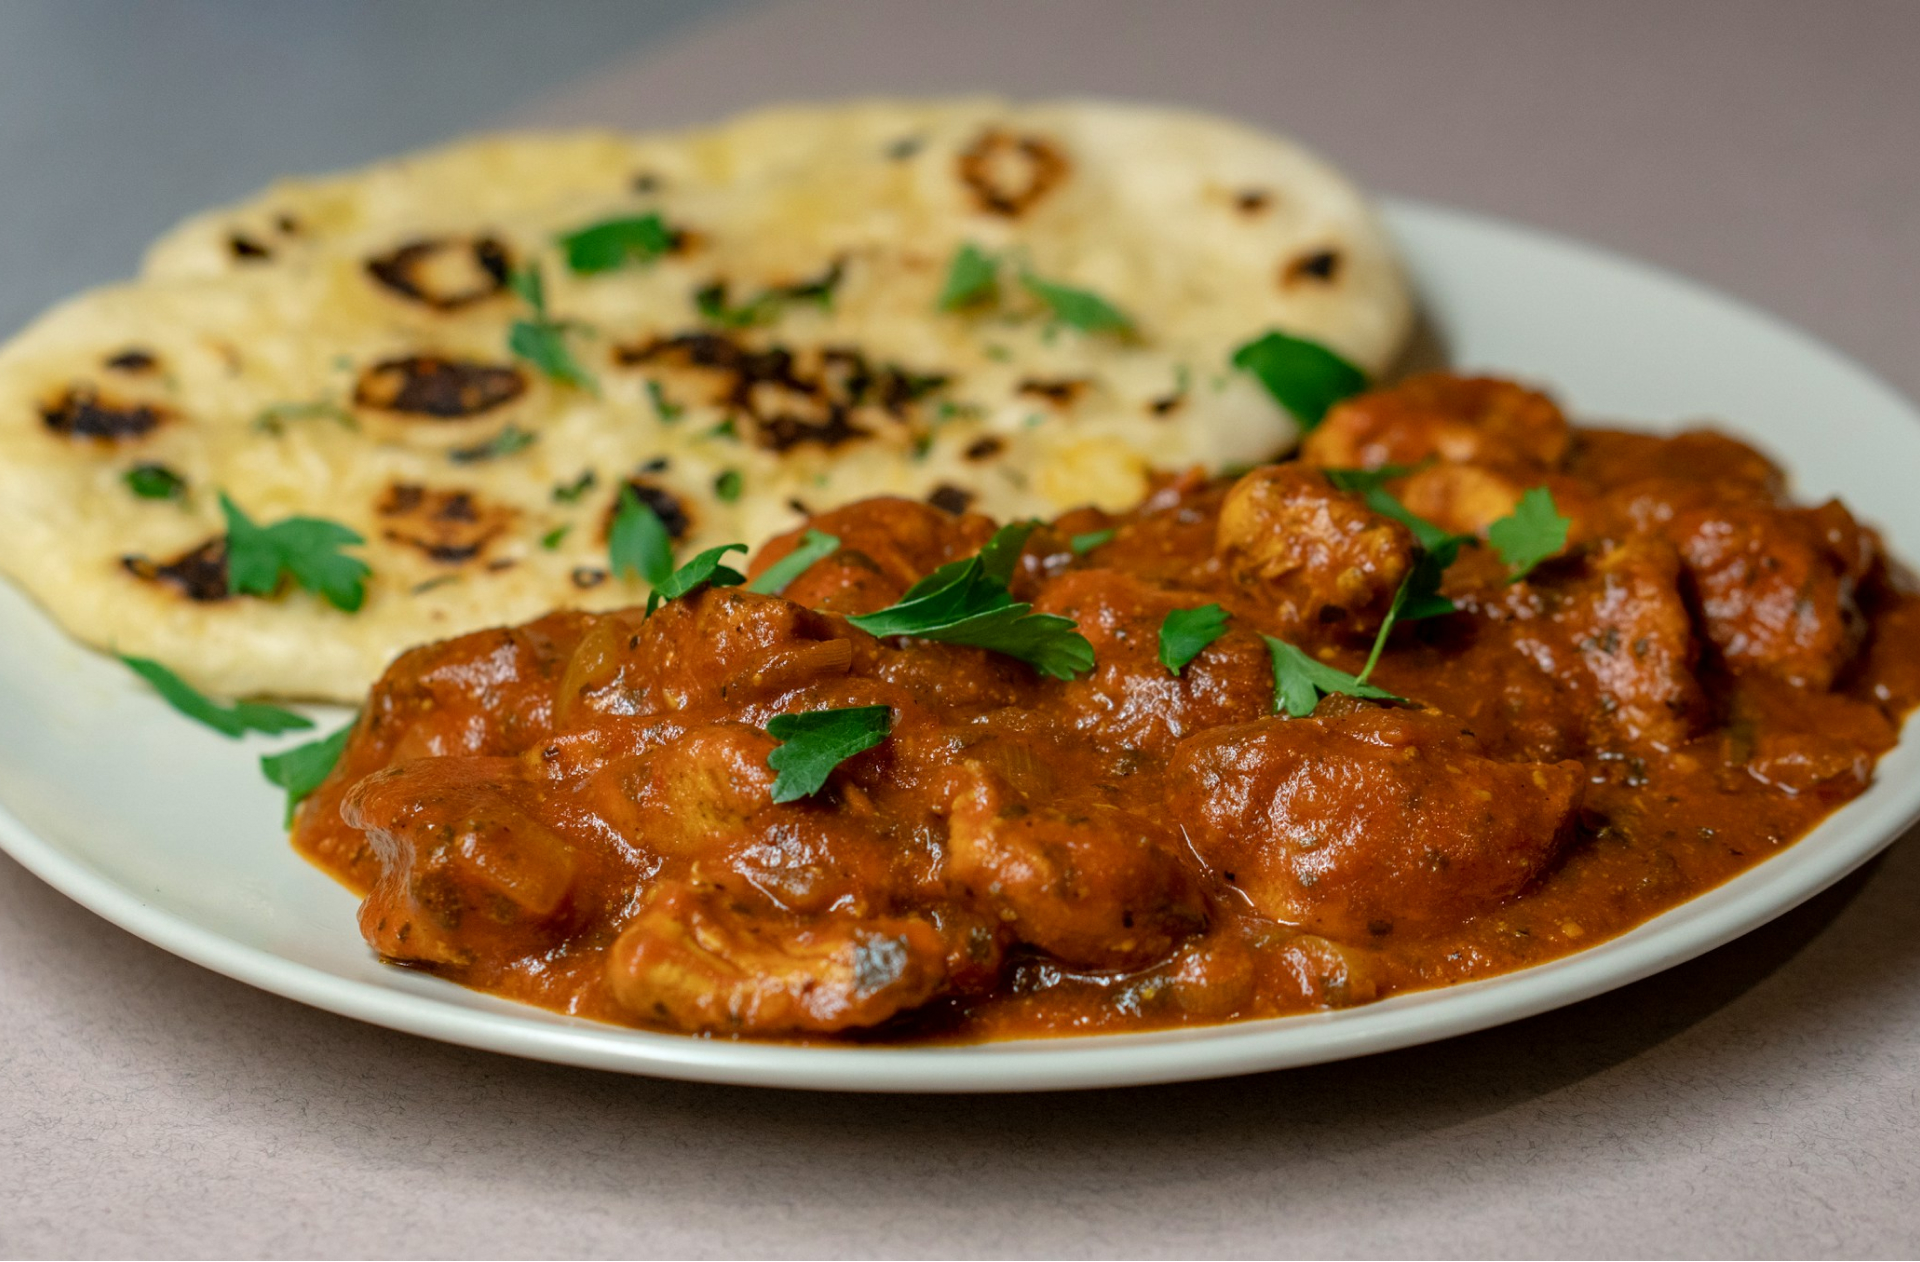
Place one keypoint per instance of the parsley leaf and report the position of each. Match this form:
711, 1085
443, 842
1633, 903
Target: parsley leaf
815, 545
233, 720
613, 243
1369, 479
1077, 308
814, 743
710, 301
504, 443
304, 768
552, 540
155, 482
704, 570
1299, 681
1083, 544
967, 602
305, 548
1530, 534
665, 409
765, 307
542, 341
272, 419
1304, 377
1184, 632
638, 543
569, 492
972, 279
1418, 596
727, 485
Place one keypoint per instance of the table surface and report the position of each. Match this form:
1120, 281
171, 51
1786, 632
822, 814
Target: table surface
1763, 1100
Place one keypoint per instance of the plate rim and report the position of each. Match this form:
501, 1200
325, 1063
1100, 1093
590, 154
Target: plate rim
1763, 892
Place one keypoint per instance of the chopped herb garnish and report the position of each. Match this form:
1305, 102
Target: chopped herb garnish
552, 540
967, 602
1530, 534
155, 482
307, 549
814, 743
972, 279
504, 443
1418, 596
728, 484
228, 720
542, 341
728, 428
664, 408
272, 420
304, 768
710, 300
1299, 681
570, 492
1083, 544
815, 545
638, 544
1077, 308
613, 243
1304, 377
1184, 632
1364, 480
705, 570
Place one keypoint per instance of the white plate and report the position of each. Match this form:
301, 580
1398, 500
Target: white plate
167, 830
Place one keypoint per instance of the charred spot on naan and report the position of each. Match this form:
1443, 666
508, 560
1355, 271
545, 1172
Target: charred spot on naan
83, 413
792, 399
1315, 267
444, 273
437, 386
199, 573
983, 449
950, 498
449, 525
1008, 173
133, 360
1063, 392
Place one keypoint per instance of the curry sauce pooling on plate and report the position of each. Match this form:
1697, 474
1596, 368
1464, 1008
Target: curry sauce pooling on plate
1139, 770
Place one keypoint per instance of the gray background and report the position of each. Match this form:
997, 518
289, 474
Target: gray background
1764, 1100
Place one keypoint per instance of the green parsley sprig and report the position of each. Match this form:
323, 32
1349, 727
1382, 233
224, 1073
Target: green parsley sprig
504, 443
973, 284
814, 743
1185, 632
1303, 376
973, 279
614, 243
1299, 681
542, 341
304, 768
305, 549
638, 544
815, 545
229, 720
968, 602
1531, 533
155, 482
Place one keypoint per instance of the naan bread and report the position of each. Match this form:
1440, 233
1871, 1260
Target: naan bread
339, 348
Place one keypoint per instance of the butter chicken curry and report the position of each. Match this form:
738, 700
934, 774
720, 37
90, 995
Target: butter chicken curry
1615, 671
